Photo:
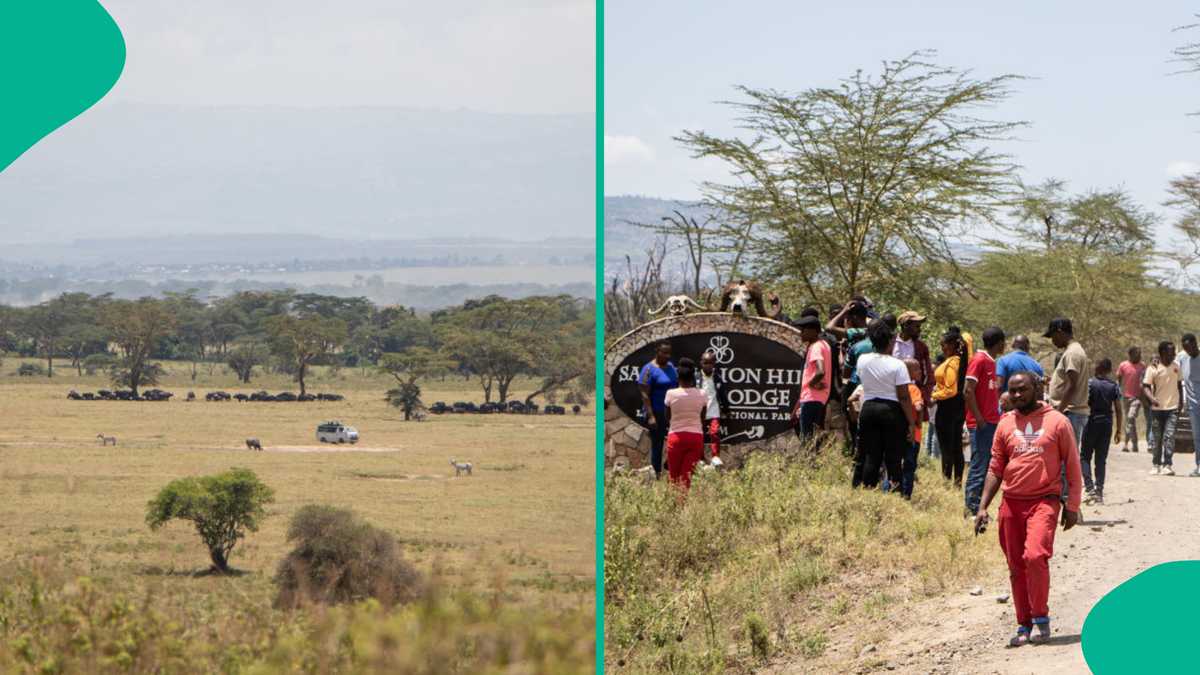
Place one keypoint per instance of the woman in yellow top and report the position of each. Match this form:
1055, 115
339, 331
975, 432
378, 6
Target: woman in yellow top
951, 409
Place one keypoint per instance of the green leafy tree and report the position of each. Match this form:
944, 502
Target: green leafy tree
137, 327
302, 341
407, 397
244, 357
45, 324
1098, 221
838, 189
222, 507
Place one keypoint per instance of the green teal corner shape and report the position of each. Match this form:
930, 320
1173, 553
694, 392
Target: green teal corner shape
57, 59
1126, 631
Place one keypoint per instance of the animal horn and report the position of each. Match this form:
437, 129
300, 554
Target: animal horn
776, 306
660, 308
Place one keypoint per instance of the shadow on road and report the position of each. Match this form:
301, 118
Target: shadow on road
1072, 639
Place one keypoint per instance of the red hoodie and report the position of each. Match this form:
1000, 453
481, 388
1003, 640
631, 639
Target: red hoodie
1028, 454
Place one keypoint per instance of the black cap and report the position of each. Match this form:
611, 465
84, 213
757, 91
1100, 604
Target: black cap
858, 309
1060, 323
808, 322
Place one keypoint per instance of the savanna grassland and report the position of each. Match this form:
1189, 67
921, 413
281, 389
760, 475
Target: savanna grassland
508, 551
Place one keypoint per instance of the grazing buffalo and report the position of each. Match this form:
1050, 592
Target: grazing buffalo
253, 444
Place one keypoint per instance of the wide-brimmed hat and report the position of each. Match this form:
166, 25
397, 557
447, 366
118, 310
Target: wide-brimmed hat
910, 315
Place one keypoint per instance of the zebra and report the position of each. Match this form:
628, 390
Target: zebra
107, 440
461, 467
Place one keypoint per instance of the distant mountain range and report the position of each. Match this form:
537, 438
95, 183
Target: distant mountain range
242, 249
123, 170
623, 235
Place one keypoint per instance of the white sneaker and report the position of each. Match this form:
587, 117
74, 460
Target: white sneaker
1155, 471
1168, 471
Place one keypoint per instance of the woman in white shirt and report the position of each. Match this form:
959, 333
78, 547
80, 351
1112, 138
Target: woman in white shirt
887, 422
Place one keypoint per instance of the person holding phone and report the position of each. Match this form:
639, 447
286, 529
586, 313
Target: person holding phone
1032, 446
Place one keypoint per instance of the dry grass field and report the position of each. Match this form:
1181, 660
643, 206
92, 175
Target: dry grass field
520, 531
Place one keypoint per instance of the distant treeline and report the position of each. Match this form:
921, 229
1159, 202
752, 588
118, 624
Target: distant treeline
493, 340
32, 291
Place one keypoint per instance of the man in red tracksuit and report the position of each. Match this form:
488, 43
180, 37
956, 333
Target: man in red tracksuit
1032, 444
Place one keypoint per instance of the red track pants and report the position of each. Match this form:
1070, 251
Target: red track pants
1027, 538
684, 450
714, 435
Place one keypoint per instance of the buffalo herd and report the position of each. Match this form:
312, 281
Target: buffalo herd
160, 395
513, 407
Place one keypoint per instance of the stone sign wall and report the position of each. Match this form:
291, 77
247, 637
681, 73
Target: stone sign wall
761, 363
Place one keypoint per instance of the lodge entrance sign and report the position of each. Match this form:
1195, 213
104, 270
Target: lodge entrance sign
760, 361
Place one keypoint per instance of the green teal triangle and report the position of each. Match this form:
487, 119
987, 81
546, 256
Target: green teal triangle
57, 59
1131, 629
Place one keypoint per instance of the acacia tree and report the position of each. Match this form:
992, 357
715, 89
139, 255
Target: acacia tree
243, 358
1107, 221
45, 325
301, 341
408, 367
839, 188
137, 327
222, 508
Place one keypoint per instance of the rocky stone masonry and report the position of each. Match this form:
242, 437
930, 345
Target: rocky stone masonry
627, 443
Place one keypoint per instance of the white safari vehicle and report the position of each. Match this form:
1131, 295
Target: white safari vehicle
336, 432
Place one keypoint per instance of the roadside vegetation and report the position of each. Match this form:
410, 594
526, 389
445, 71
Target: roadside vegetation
771, 561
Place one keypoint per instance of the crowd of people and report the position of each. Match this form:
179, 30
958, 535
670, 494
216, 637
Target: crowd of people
1040, 439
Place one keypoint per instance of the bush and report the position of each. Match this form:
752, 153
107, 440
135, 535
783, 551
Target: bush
339, 557
121, 374
222, 507
97, 362
30, 370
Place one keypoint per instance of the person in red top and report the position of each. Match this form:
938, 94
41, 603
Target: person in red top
1033, 443
809, 411
1129, 376
982, 396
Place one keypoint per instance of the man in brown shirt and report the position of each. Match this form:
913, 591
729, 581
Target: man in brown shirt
1068, 385
1161, 386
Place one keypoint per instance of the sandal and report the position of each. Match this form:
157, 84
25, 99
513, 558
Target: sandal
1021, 638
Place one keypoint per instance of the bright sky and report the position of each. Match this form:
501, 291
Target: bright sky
509, 56
1105, 109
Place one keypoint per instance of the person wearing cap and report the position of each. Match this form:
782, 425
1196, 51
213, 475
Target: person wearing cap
1068, 385
908, 345
1162, 387
1016, 361
809, 411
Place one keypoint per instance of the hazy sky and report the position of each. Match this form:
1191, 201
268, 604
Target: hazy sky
514, 56
1104, 109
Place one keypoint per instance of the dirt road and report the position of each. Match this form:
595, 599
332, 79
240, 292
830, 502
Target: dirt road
1146, 520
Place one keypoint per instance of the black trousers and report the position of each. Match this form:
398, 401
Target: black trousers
948, 425
882, 440
812, 417
1096, 438
658, 436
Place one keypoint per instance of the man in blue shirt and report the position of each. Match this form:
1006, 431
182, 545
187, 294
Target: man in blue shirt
1016, 361
656, 379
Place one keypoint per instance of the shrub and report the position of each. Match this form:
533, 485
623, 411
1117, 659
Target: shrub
121, 374
97, 362
222, 507
30, 370
339, 557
